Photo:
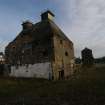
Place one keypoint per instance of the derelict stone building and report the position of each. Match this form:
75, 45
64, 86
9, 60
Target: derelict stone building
87, 57
41, 50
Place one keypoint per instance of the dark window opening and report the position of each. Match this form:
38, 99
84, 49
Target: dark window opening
66, 53
61, 41
45, 53
13, 47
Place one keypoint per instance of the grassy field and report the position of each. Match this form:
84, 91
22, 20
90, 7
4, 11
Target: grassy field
87, 87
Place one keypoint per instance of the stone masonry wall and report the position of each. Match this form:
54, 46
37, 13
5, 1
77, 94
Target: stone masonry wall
64, 57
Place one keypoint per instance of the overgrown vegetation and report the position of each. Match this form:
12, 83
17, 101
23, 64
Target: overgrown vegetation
87, 87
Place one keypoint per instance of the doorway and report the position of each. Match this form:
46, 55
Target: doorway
61, 75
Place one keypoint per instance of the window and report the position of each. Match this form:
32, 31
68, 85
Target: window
13, 47
45, 53
66, 53
61, 41
27, 46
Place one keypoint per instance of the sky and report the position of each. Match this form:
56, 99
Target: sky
83, 21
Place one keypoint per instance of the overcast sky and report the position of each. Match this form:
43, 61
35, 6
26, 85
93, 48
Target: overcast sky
83, 21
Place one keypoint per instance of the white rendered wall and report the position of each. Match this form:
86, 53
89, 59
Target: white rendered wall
40, 70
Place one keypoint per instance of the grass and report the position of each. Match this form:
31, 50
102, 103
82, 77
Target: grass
86, 88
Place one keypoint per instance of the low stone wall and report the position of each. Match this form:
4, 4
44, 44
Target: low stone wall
39, 70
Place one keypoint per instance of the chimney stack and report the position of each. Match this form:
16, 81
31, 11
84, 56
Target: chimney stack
27, 25
48, 15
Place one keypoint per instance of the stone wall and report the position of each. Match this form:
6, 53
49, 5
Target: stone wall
64, 57
39, 70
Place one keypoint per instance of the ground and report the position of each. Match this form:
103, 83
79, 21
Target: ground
86, 87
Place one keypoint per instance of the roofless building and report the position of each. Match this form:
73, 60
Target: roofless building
41, 50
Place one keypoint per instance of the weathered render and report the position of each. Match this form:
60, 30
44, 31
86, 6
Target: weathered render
38, 46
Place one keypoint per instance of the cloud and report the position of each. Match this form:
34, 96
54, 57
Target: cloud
83, 21
87, 28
